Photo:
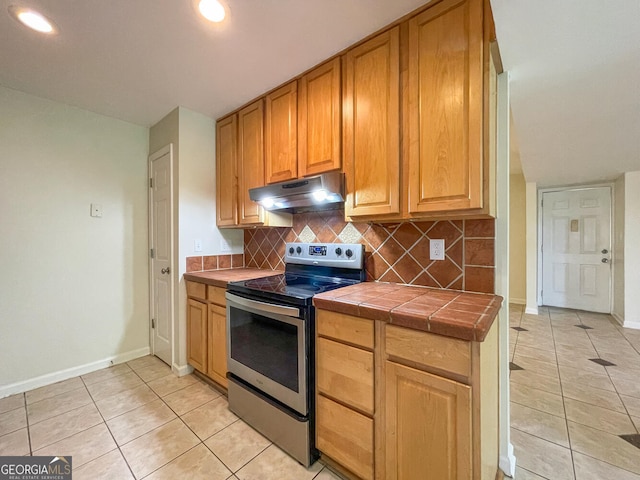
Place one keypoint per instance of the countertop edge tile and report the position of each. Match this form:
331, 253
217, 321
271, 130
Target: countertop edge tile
220, 278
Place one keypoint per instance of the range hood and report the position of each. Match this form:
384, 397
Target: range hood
320, 192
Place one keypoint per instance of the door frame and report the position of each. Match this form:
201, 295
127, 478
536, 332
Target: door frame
542, 191
167, 149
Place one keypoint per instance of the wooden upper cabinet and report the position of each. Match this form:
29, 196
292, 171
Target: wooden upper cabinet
250, 161
281, 134
226, 177
371, 126
319, 118
444, 104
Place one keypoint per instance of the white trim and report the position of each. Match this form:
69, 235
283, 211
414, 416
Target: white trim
633, 325
49, 378
181, 370
518, 301
618, 318
508, 462
531, 310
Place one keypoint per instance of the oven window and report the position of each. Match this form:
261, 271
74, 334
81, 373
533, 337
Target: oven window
266, 346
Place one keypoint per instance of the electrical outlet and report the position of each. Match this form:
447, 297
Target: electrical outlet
96, 210
197, 245
436, 249
224, 245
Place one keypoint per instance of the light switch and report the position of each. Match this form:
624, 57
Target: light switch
436, 249
96, 210
197, 245
224, 245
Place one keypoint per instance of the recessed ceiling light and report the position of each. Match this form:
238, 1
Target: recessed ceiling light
32, 19
212, 10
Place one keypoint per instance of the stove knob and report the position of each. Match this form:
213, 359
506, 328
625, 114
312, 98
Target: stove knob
299, 250
349, 253
291, 250
338, 251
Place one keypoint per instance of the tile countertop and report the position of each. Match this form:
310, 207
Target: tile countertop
463, 315
220, 278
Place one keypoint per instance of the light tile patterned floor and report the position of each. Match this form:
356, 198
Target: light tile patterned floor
138, 420
573, 417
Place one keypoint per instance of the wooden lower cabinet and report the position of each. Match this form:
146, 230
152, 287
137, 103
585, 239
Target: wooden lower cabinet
428, 426
217, 344
197, 334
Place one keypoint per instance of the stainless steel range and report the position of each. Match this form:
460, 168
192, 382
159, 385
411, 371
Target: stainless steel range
271, 327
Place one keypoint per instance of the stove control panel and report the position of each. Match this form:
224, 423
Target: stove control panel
344, 255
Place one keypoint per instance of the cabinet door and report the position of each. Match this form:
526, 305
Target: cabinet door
217, 340
428, 429
226, 177
445, 107
281, 134
197, 335
319, 116
371, 114
250, 161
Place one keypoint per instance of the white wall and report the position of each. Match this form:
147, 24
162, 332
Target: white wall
74, 289
532, 248
632, 249
517, 239
618, 249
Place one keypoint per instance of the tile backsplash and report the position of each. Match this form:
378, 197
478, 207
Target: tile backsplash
394, 253
214, 262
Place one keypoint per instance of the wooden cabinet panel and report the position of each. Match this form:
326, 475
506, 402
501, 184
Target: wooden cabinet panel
281, 134
216, 295
226, 176
319, 118
345, 373
444, 353
371, 123
250, 161
345, 328
444, 104
346, 436
197, 335
428, 429
217, 344
195, 289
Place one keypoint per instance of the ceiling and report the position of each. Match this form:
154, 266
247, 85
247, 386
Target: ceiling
574, 65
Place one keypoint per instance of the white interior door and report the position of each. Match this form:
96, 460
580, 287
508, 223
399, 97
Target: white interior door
161, 240
576, 246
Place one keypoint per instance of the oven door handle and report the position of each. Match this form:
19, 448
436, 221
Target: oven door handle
262, 306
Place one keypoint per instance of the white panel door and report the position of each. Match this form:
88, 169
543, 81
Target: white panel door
576, 246
161, 243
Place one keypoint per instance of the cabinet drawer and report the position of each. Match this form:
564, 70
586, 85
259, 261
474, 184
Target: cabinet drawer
195, 289
345, 328
346, 436
216, 295
444, 353
346, 374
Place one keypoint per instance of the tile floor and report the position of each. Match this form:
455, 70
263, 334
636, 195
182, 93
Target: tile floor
137, 420
575, 396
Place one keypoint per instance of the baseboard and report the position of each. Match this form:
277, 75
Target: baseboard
508, 462
531, 310
634, 325
181, 370
49, 378
618, 318
518, 301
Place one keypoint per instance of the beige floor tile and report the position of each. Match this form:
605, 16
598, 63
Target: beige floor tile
143, 454
190, 397
11, 403
537, 366
604, 446
595, 380
51, 407
636, 422
540, 424
237, 445
139, 421
144, 362
535, 380
326, 474
530, 341
537, 354
542, 457
274, 464
153, 372
627, 387
588, 468
593, 396
197, 464
598, 417
13, 420
84, 446
125, 401
581, 364
105, 374
62, 426
110, 466
15, 443
210, 418
52, 390
538, 399
114, 385
573, 351
171, 383
522, 474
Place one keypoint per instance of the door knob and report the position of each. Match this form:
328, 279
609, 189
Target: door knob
165, 270
605, 251
605, 260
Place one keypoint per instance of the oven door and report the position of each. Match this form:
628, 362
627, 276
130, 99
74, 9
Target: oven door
266, 348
